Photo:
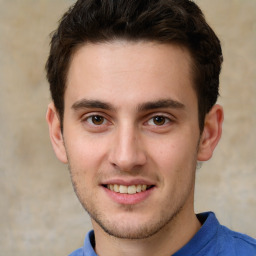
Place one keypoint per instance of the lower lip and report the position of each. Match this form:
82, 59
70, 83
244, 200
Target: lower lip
128, 199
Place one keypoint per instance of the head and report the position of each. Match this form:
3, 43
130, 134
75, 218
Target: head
140, 80
178, 22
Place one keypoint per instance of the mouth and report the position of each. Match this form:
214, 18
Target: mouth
130, 190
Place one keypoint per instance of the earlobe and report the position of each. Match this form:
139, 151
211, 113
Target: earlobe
55, 133
211, 133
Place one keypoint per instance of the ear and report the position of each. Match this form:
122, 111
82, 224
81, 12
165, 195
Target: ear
55, 133
211, 133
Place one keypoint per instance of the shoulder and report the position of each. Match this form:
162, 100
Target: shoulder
78, 252
219, 240
241, 243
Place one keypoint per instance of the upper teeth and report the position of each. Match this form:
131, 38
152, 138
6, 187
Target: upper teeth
127, 189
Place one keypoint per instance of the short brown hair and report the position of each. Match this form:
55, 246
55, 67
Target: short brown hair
165, 21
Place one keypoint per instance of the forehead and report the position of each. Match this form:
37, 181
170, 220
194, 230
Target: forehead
133, 69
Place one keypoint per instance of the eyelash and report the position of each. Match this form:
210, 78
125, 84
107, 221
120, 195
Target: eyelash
165, 120
89, 119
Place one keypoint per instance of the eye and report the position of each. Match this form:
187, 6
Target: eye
159, 120
96, 120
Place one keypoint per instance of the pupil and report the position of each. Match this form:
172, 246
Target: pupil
97, 120
159, 120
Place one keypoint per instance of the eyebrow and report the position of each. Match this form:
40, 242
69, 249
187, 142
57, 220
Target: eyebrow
84, 103
162, 103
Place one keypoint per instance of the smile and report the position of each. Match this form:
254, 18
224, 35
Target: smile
133, 189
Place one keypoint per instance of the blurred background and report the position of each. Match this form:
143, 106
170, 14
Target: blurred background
39, 212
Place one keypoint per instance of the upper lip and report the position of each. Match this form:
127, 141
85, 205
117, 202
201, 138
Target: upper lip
128, 182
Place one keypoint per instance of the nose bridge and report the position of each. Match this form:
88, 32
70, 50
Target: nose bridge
127, 152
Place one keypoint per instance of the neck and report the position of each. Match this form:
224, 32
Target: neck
167, 241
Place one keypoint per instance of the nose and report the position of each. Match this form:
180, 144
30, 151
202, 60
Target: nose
127, 151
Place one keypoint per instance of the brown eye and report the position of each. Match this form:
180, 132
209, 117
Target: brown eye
159, 120
96, 120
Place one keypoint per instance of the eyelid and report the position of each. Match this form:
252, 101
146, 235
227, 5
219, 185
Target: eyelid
94, 113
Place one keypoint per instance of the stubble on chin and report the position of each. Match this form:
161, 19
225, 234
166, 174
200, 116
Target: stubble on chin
125, 230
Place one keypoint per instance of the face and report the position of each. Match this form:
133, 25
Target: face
131, 135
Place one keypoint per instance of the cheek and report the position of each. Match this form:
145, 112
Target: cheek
173, 148
84, 148
85, 158
174, 153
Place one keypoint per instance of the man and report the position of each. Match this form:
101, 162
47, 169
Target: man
134, 86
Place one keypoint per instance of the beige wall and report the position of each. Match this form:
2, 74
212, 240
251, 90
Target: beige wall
39, 212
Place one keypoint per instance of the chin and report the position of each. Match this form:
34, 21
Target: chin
132, 228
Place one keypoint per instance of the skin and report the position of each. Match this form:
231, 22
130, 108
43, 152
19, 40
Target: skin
131, 117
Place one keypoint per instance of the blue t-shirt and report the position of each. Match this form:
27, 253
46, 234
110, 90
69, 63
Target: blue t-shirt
212, 239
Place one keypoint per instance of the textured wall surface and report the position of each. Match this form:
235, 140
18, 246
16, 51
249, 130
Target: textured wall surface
39, 212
